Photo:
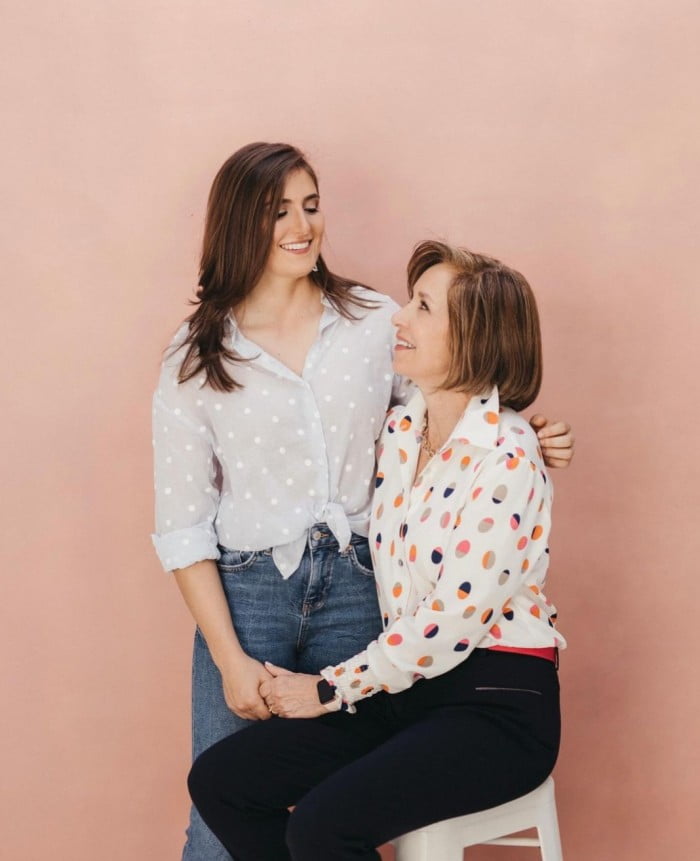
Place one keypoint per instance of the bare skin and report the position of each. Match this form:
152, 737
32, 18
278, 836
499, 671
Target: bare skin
284, 322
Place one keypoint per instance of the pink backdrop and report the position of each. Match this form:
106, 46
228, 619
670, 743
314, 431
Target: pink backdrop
560, 136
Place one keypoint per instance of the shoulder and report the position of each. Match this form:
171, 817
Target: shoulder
516, 434
177, 338
517, 460
173, 355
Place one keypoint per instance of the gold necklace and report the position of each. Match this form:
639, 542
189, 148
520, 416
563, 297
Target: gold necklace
424, 441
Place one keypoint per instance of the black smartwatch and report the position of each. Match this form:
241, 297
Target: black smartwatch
326, 692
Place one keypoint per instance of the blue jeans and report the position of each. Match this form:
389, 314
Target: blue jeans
324, 613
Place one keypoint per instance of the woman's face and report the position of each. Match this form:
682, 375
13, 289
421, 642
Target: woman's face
298, 233
422, 351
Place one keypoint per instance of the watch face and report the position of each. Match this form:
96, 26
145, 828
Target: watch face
326, 692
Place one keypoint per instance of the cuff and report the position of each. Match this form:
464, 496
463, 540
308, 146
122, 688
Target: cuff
186, 546
348, 694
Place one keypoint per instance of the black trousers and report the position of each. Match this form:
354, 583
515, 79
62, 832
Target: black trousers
480, 735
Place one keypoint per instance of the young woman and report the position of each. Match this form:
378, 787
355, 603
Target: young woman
455, 705
265, 420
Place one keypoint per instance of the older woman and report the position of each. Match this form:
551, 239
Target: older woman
454, 707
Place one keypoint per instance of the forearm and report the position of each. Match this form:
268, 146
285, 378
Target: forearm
241, 675
201, 588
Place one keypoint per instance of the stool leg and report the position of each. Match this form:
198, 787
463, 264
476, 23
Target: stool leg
548, 832
412, 847
424, 846
445, 844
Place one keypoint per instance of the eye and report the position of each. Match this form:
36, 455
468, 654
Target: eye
422, 306
281, 214
311, 209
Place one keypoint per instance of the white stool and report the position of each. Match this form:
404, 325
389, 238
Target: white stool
446, 840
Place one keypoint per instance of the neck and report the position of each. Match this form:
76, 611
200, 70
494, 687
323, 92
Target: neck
444, 409
273, 299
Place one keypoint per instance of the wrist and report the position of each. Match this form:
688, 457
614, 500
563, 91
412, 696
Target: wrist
228, 658
328, 695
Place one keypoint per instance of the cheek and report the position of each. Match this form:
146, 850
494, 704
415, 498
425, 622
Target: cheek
442, 351
277, 234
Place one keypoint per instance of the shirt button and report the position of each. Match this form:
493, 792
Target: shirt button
316, 535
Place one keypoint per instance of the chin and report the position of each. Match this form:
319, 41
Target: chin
400, 365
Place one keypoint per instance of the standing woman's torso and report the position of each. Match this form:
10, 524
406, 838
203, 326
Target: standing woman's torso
255, 468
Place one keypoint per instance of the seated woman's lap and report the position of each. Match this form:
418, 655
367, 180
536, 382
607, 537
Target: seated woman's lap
446, 765
443, 748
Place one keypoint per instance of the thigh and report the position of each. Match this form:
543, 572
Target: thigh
259, 603
212, 719
348, 618
272, 764
264, 606
445, 766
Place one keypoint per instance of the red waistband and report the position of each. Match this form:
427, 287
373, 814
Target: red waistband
549, 653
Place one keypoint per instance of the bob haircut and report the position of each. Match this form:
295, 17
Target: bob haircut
494, 328
244, 199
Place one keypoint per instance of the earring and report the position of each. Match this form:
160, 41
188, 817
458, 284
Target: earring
315, 269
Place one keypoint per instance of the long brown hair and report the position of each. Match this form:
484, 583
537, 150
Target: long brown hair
493, 323
238, 233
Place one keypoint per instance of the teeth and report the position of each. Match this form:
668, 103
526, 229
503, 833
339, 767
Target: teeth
297, 246
405, 343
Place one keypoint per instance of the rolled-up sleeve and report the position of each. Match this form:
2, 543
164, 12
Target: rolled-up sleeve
185, 467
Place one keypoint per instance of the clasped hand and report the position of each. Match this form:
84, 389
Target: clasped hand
291, 695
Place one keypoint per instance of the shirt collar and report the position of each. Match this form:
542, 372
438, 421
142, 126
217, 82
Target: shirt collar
478, 426
329, 314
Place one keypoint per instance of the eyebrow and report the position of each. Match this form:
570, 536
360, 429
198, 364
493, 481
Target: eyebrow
422, 295
315, 196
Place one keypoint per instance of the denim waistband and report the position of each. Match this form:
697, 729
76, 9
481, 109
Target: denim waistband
318, 535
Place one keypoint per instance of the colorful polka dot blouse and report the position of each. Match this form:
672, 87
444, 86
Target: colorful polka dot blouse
460, 553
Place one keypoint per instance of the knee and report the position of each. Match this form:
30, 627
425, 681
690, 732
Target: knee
200, 781
212, 778
224, 776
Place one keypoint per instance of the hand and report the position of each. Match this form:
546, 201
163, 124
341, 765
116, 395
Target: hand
291, 695
556, 441
242, 679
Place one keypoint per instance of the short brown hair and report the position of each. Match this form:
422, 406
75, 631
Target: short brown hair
494, 325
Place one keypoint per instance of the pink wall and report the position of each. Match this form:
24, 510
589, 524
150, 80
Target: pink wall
560, 136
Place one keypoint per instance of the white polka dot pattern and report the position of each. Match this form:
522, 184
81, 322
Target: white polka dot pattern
257, 467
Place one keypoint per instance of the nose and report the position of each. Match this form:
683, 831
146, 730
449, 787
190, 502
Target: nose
398, 317
301, 223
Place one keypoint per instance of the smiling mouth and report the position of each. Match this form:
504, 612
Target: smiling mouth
403, 344
297, 246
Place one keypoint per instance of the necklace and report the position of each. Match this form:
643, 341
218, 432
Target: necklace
424, 441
